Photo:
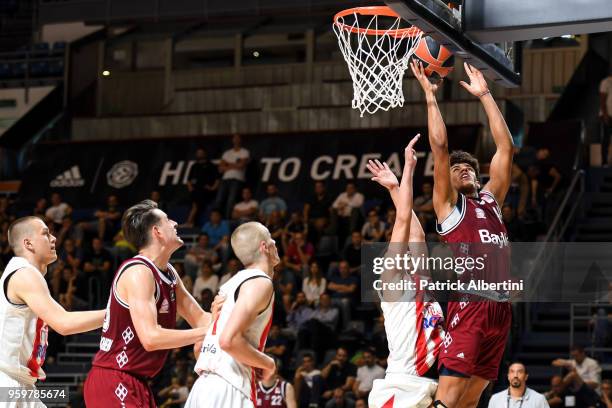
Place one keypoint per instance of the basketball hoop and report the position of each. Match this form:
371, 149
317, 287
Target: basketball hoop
377, 50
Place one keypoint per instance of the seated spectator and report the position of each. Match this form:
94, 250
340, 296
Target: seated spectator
206, 280
247, 209
317, 210
606, 393
515, 227
340, 400
97, 264
67, 230
57, 211
71, 255
298, 253
272, 203
343, 288
174, 395
298, 315
518, 393
274, 223
361, 403
199, 253
233, 267
40, 208
314, 284
571, 388
161, 204
423, 207
206, 299
366, 375
319, 333
276, 344
555, 396
352, 252
218, 231
587, 368
339, 374
374, 229
347, 208
308, 383
296, 224
122, 248
107, 221
203, 183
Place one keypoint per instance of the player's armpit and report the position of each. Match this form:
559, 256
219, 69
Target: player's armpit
189, 309
28, 286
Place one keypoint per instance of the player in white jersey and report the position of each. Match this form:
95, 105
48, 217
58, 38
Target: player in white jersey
26, 308
413, 321
232, 356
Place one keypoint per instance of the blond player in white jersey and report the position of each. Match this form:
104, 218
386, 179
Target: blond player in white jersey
413, 322
26, 308
232, 356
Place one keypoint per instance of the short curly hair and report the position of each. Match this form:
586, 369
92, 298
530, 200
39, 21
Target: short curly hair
459, 156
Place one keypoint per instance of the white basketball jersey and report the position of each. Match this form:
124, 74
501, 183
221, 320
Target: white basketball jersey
23, 336
414, 334
214, 360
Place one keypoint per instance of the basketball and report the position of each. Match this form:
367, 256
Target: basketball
437, 60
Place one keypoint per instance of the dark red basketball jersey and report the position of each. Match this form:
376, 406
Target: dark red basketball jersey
273, 397
120, 348
475, 221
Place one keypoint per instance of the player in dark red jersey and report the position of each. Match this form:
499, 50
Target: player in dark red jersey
477, 330
138, 328
275, 392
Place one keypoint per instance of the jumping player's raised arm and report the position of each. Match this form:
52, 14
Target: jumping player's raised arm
254, 297
137, 286
500, 171
29, 287
444, 196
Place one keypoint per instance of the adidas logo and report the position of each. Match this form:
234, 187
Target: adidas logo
461, 355
69, 178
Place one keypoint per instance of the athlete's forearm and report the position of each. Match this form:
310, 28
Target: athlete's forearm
240, 349
435, 125
163, 339
499, 128
80, 322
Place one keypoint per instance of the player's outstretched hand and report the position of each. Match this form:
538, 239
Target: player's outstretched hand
382, 174
478, 84
410, 154
419, 74
266, 374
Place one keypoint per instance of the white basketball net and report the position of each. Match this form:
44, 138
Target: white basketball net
377, 63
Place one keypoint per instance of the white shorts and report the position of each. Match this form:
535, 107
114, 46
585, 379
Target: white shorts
402, 391
212, 391
6, 381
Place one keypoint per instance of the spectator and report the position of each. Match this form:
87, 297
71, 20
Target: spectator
276, 344
347, 207
555, 397
374, 229
174, 395
308, 383
317, 210
161, 204
206, 280
199, 253
233, 266
352, 252
361, 403
71, 255
366, 375
423, 206
605, 115
67, 230
571, 391
518, 394
6, 214
606, 393
298, 253
545, 181
57, 211
519, 191
247, 209
97, 264
339, 373
218, 231
319, 333
272, 203
107, 222
298, 315
206, 299
587, 368
203, 184
340, 400
343, 288
233, 169
314, 284
40, 208
275, 226
296, 224
515, 227
122, 248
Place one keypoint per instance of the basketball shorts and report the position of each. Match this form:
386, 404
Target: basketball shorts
212, 391
476, 336
7, 381
107, 388
402, 391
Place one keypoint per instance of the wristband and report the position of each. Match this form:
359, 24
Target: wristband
484, 93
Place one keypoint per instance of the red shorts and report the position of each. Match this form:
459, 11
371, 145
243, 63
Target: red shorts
476, 336
106, 388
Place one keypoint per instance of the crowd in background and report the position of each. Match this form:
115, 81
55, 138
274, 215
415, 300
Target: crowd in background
317, 284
